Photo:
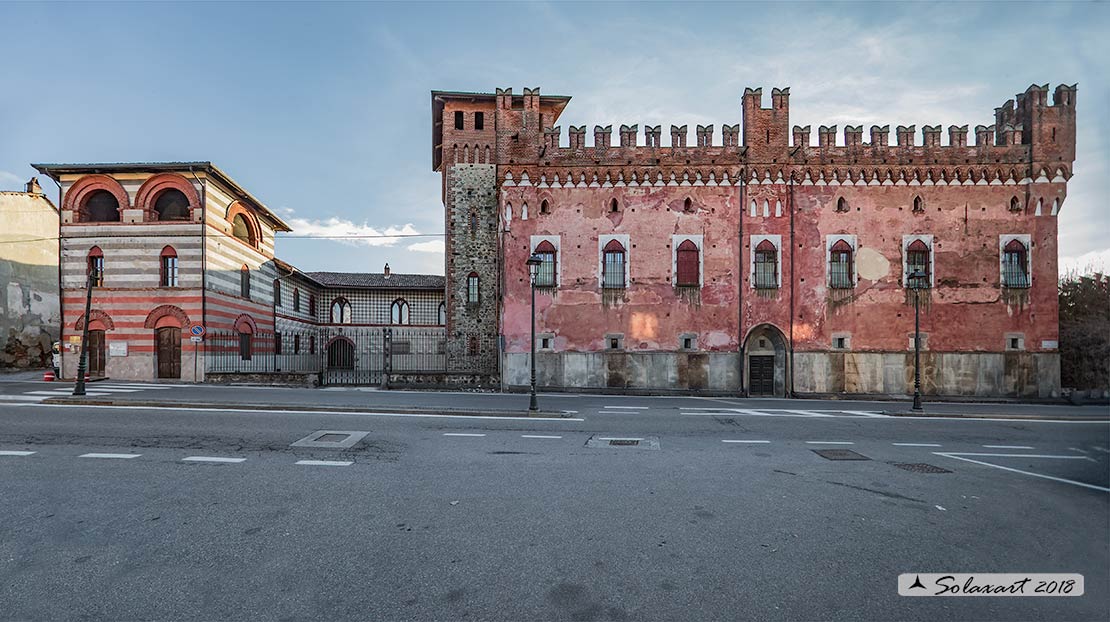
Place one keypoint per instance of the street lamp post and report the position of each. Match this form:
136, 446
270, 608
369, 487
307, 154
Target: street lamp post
533, 268
915, 281
83, 361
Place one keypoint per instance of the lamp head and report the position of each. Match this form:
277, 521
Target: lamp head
534, 264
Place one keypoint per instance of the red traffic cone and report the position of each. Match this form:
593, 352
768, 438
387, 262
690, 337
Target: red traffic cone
48, 375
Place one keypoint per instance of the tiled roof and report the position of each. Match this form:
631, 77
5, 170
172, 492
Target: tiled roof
378, 280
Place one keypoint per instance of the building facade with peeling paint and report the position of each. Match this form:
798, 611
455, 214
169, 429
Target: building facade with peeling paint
752, 261
29, 305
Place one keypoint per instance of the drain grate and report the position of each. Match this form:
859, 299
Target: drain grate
638, 443
623, 442
839, 454
920, 467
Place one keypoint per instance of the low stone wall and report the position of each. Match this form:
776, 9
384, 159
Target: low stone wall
956, 374
716, 372
282, 379
443, 380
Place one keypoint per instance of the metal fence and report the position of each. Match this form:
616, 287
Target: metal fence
343, 356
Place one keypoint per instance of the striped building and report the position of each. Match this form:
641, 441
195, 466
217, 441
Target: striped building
181, 244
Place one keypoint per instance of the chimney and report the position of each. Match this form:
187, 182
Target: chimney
386, 271
33, 186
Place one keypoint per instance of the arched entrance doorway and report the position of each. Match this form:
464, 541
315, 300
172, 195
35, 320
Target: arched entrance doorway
765, 362
97, 352
168, 349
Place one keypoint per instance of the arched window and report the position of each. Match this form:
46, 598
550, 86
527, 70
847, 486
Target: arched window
246, 337
841, 205
241, 228
524, 211
613, 206
277, 292
918, 204
545, 207
686, 262
312, 305
296, 300
172, 205
840, 266
472, 288
766, 265
687, 205
168, 268
341, 354
245, 282
1015, 266
443, 314
545, 272
96, 267
918, 258
612, 265
1015, 205
102, 206
340, 311
399, 312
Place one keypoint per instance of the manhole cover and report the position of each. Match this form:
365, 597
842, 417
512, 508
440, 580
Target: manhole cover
331, 439
920, 467
839, 454
636, 442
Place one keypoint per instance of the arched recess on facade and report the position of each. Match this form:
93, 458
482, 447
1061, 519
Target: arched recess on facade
245, 324
99, 321
154, 187
765, 362
252, 233
78, 195
166, 315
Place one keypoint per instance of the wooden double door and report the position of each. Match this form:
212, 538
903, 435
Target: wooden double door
762, 375
96, 353
168, 347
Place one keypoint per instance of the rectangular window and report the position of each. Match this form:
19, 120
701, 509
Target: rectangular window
458, 119
245, 282
400, 347
479, 120
612, 274
277, 293
841, 343
296, 344
169, 272
545, 343
277, 343
472, 289
545, 272
245, 346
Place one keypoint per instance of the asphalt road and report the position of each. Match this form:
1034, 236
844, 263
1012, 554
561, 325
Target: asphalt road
453, 518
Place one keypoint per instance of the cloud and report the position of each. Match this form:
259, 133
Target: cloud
11, 181
1087, 263
432, 246
349, 232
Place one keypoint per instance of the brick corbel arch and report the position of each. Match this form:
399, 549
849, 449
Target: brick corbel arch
166, 310
97, 316
237, 208
156, 185
80, 191
247, 321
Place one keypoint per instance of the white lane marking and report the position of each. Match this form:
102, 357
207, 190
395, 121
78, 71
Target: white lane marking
308, 412
212, 459
1048, 477
742, 441
618, 438
1007, 447
120, 456
115, 390
627, 407
20, 398
830, 443
1082, 451
807, 413
65, 392
16, 453
461, 434
537, 436
324, 462
968, 453
916, 444
571, 412
1102, 449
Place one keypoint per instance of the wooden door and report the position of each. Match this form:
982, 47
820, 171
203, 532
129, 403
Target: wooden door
96, 353
762, 375
168, 341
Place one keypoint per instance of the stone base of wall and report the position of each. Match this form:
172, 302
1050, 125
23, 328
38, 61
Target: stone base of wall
955, 374
443, 380
277, 379
626, 372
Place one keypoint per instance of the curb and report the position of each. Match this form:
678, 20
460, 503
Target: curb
299, 408
903, 413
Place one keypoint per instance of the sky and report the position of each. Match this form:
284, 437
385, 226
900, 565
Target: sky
322, 110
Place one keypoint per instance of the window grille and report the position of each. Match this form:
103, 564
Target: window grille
840, 266
612, 270
545, 272
1015, 272
766, 266
918, 259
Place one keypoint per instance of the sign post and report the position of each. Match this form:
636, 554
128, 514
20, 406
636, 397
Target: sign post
197, 332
